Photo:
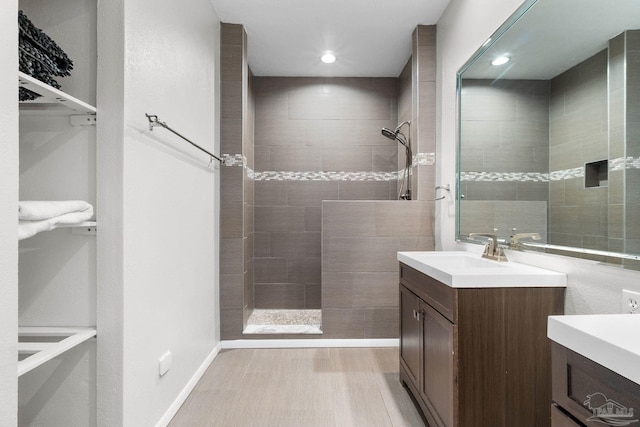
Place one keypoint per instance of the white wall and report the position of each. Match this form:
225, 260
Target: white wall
465, 25
158, 199
8, 213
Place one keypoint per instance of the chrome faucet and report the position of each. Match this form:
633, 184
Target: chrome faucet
491, 249
514, 241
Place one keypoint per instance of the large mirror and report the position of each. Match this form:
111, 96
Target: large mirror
549, 131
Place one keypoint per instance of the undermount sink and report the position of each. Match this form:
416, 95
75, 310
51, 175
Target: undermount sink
469, 270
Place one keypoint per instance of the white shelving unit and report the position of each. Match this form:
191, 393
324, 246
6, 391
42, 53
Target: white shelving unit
38, 345
53, 100
56, 101
57, 279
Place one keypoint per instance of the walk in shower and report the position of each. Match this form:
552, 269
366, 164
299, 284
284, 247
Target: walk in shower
309, 199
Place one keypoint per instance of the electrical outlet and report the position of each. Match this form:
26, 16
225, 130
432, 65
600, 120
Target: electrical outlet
630, 302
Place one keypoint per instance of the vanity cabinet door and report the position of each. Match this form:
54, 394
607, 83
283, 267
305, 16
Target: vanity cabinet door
439, 369
559, 419
410, 351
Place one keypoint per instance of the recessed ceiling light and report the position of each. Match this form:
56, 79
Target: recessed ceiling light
328, 58
501, 60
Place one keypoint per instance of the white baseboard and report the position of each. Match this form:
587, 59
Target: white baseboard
310, 343
175, 406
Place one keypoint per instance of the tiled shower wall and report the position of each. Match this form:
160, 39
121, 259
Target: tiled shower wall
236, 199
315, 139
505, 155
360, 240
423, 94
416, 102
632, 183
578, 134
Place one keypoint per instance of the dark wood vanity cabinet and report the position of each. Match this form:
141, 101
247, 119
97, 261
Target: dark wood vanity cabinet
475, 357
581, 386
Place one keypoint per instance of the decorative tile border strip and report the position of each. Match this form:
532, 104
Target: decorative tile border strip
618, 164
504, 176
424, 159
622, 163
566, 174
324, 176
233, 159
421, 159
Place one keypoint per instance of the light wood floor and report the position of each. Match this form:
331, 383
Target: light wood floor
320, 387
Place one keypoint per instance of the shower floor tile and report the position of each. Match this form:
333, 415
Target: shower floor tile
284, 322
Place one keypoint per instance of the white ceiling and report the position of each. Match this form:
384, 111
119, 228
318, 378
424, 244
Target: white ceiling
555, 35
371, 38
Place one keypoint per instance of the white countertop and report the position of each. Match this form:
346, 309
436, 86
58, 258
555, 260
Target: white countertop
612, 340
460, 269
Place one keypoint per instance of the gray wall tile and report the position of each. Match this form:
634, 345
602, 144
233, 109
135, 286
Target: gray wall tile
337, 289
381, 323
279, 218
311, 193
270, 193
270, 270
295, 158
279, 295
312, 218
404, 218
231, 291
358, 158
365, 190
375, 290
368, 254
231, 220
304, 270
295, 244
312, 296
231, 258
231, 324
343, 323
348, 219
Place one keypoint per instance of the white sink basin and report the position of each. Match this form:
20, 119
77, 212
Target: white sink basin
468, 270
608, 339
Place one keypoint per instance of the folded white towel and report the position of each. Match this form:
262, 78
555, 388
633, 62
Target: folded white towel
40, 222
39, 210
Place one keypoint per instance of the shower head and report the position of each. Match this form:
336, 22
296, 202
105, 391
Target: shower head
394, 135
389, 133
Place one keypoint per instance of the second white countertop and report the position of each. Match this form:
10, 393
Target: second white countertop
612, 340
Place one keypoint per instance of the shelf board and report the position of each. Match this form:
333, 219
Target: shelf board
80, 224
42, 343
52, 98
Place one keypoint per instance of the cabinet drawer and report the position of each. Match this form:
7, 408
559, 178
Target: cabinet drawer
590, 392
441, 297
